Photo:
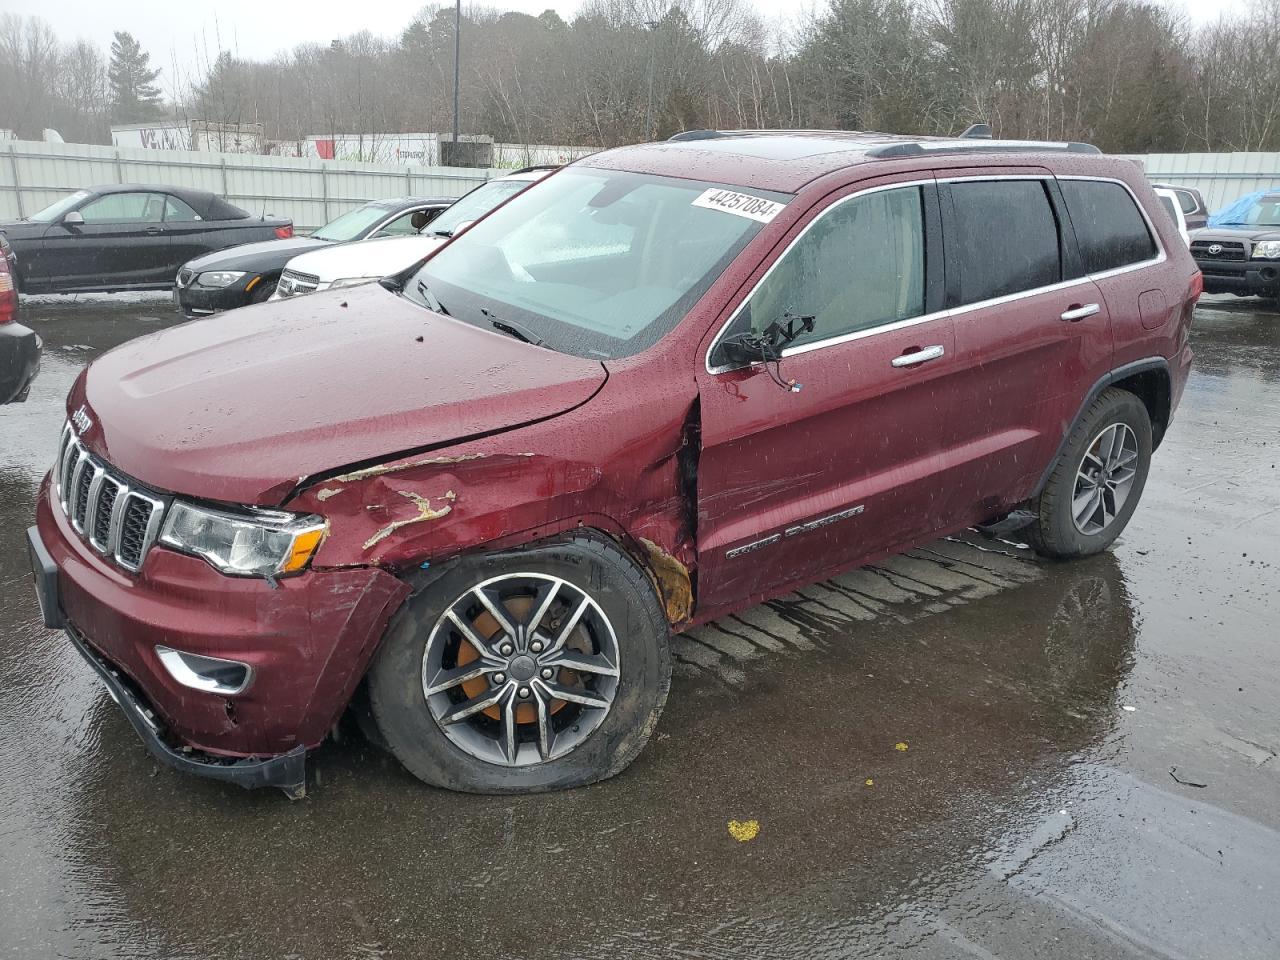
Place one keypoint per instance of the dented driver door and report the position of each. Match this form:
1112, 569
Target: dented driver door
797, 481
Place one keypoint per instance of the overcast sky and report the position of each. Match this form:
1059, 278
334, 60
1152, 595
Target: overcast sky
185, 35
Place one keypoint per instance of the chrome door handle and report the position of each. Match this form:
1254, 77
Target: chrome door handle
923, 355
1079, 313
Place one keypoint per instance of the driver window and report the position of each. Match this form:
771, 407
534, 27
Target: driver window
124, 208
407, 224
859, 266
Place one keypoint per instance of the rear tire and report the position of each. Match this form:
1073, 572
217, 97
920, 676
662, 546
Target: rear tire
557, 743
1097, 480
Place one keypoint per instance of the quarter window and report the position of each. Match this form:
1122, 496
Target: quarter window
859, 266
1110, 230
1005, 238
175, 209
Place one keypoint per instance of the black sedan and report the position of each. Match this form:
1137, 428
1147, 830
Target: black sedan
127, 237
19, 346
248, 274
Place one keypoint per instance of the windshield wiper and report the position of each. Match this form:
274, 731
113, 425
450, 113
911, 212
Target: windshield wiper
430, 299
516, 330
442, 233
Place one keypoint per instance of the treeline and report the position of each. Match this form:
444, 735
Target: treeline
1128, 75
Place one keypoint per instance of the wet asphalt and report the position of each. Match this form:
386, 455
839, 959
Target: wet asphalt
964, 752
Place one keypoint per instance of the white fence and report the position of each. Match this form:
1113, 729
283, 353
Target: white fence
1220, 177
310, 192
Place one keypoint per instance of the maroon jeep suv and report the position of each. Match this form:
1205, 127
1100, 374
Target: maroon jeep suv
668, 382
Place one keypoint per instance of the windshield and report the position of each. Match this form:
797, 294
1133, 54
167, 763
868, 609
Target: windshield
597, 263
55, 210
352, 224
1264, 213
476, 204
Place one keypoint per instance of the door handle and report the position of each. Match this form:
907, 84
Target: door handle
923, 355
1077, 312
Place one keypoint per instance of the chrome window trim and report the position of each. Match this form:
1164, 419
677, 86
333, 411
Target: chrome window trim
1160, 257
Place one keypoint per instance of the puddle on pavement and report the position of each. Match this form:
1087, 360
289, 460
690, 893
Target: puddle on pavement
1003, 676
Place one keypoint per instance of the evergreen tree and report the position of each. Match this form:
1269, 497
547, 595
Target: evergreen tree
134, 94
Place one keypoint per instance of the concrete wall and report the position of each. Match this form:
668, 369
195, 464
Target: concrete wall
311, 192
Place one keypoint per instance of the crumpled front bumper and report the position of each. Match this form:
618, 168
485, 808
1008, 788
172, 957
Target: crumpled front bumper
308, 642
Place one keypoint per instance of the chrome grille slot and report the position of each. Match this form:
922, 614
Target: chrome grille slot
105, 506
118, 521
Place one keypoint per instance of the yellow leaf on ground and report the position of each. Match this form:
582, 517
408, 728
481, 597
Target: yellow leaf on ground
744, 830
870, 782
901, 747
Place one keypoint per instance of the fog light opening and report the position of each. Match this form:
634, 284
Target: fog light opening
209, 674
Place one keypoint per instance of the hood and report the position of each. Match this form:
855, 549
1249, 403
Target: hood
257, 257
1236, 233
244, 409
368, 258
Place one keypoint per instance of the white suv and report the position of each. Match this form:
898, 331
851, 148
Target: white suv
355, 263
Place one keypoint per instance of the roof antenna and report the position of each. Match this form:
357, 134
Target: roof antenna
977, 131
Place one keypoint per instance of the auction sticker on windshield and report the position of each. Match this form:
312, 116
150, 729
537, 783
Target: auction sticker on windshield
739, 204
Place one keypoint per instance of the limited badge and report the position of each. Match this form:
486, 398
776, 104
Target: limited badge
739, 204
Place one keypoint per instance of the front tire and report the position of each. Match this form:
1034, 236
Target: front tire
1098, 479
262, 293
529, 670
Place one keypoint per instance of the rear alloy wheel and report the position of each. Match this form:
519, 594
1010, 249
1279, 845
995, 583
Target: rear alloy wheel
1097, 480
529, 670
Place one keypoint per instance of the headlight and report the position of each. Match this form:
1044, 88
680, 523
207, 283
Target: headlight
351, 282
243, 545
219, 278
1266, 250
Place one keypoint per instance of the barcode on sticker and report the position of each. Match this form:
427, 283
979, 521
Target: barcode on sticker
740, 204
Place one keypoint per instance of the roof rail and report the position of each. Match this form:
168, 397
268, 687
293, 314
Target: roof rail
916, 149
536, 166
977, 131
697, 135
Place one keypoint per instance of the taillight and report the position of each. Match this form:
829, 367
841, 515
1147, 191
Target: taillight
8, 292
1197, 285
285, 232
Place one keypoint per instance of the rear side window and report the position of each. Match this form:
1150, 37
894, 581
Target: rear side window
1187, 201
1110, 228
1004, 237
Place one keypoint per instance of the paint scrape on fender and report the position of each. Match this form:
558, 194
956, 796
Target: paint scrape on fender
673, 581
425, 512
397, 467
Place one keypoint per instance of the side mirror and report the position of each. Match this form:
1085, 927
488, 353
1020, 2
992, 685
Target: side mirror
73, 219
740, 350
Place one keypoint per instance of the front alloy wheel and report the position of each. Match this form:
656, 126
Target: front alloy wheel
530, 669
520, 669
